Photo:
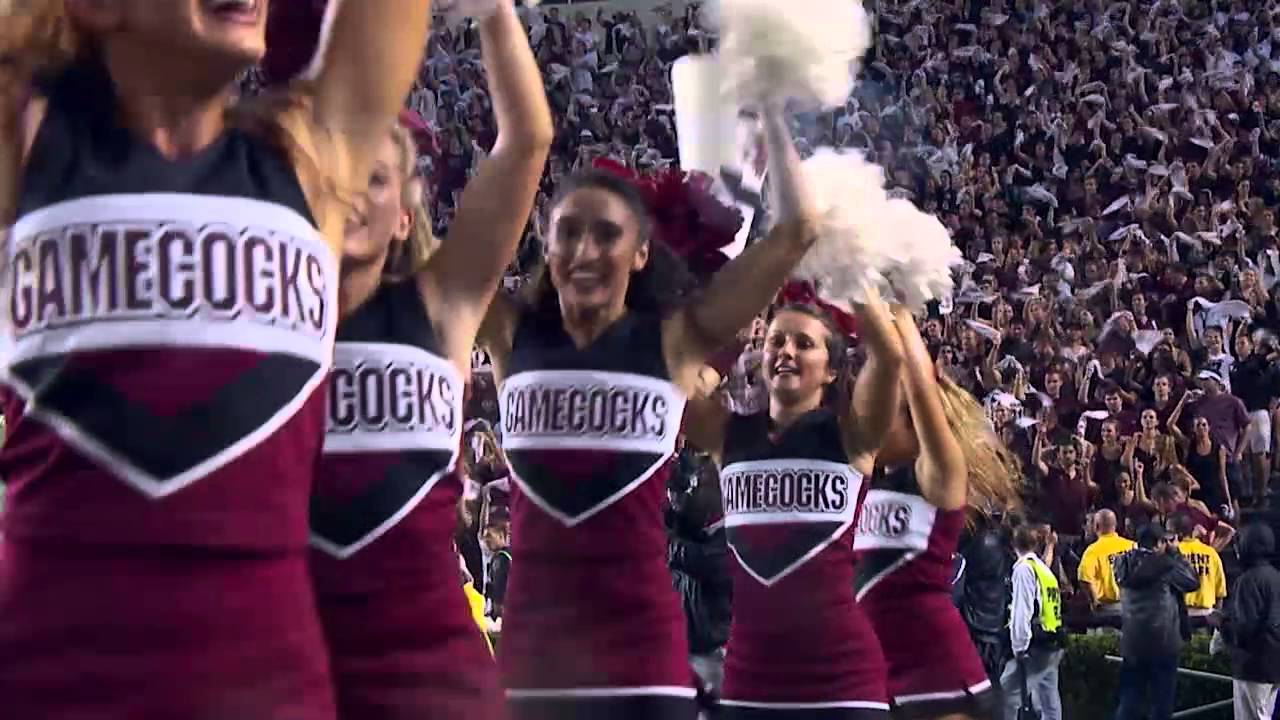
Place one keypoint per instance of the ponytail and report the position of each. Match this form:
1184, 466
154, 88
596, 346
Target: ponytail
995, 473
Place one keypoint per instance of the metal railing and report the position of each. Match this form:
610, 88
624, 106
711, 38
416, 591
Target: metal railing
1200, 674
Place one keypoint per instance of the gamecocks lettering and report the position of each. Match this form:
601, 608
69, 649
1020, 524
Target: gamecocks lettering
806, 491
884, 519
177, 288
52, 299
257, 274
401, 397
619, 412
122, 271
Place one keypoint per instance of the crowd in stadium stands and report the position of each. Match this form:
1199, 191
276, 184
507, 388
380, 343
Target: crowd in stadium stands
1108, 169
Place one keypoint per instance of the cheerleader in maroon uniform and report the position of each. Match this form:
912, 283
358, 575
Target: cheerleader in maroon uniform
940, 457
171, 297
594, 372
791, 482
402, 639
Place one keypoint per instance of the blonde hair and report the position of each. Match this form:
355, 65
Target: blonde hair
36, 38
995, 473
408, 258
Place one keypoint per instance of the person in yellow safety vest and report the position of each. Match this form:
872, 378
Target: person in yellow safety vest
1035, 629
1205, 561
476, 602
1097, 567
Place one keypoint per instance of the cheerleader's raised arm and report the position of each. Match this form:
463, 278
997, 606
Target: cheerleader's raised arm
460, 281
349, 99
746, 285
941, 465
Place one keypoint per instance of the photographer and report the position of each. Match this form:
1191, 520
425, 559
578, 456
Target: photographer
1153, 580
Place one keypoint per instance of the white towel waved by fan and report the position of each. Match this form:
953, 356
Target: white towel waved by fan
803, 50
867, 239
455, 11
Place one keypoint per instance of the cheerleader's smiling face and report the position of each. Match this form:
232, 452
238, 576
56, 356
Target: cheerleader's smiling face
595, 241
221, 35
797, 363
380, 219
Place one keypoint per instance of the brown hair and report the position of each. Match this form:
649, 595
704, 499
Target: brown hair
840, 390
995, 473
661, 286
36, 38
1165, 491
1028, 538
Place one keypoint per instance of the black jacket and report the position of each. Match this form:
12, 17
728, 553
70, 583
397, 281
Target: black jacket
1255, 381
984, 596
1251, 616
700, 573
1152, 586
698, 557
495, 590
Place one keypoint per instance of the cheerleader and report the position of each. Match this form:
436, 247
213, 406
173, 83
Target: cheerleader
171, 294
402, 641
594, 368
940, 456
792, 484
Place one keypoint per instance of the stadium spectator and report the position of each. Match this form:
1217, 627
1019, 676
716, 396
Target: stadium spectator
1206, 563
1250, 625
1256, 379
497, 541
1152, 579
1171, 498
1097, 573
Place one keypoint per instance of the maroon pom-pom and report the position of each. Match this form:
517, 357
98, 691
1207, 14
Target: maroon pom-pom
293, 36
688, 217
802, 292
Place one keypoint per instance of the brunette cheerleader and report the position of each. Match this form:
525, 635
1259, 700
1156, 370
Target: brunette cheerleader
595, 369
792, 484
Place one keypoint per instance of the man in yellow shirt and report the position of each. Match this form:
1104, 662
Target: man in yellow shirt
1097, 567
1205, 561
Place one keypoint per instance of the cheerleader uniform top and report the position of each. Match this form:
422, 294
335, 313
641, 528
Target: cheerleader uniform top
790, 506
170, 326
589, 433
400, 633
386, 491
906, 551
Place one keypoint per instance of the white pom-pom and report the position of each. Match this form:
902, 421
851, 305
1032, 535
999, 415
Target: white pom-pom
849, 254
867, 239
804, 50
921, 255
